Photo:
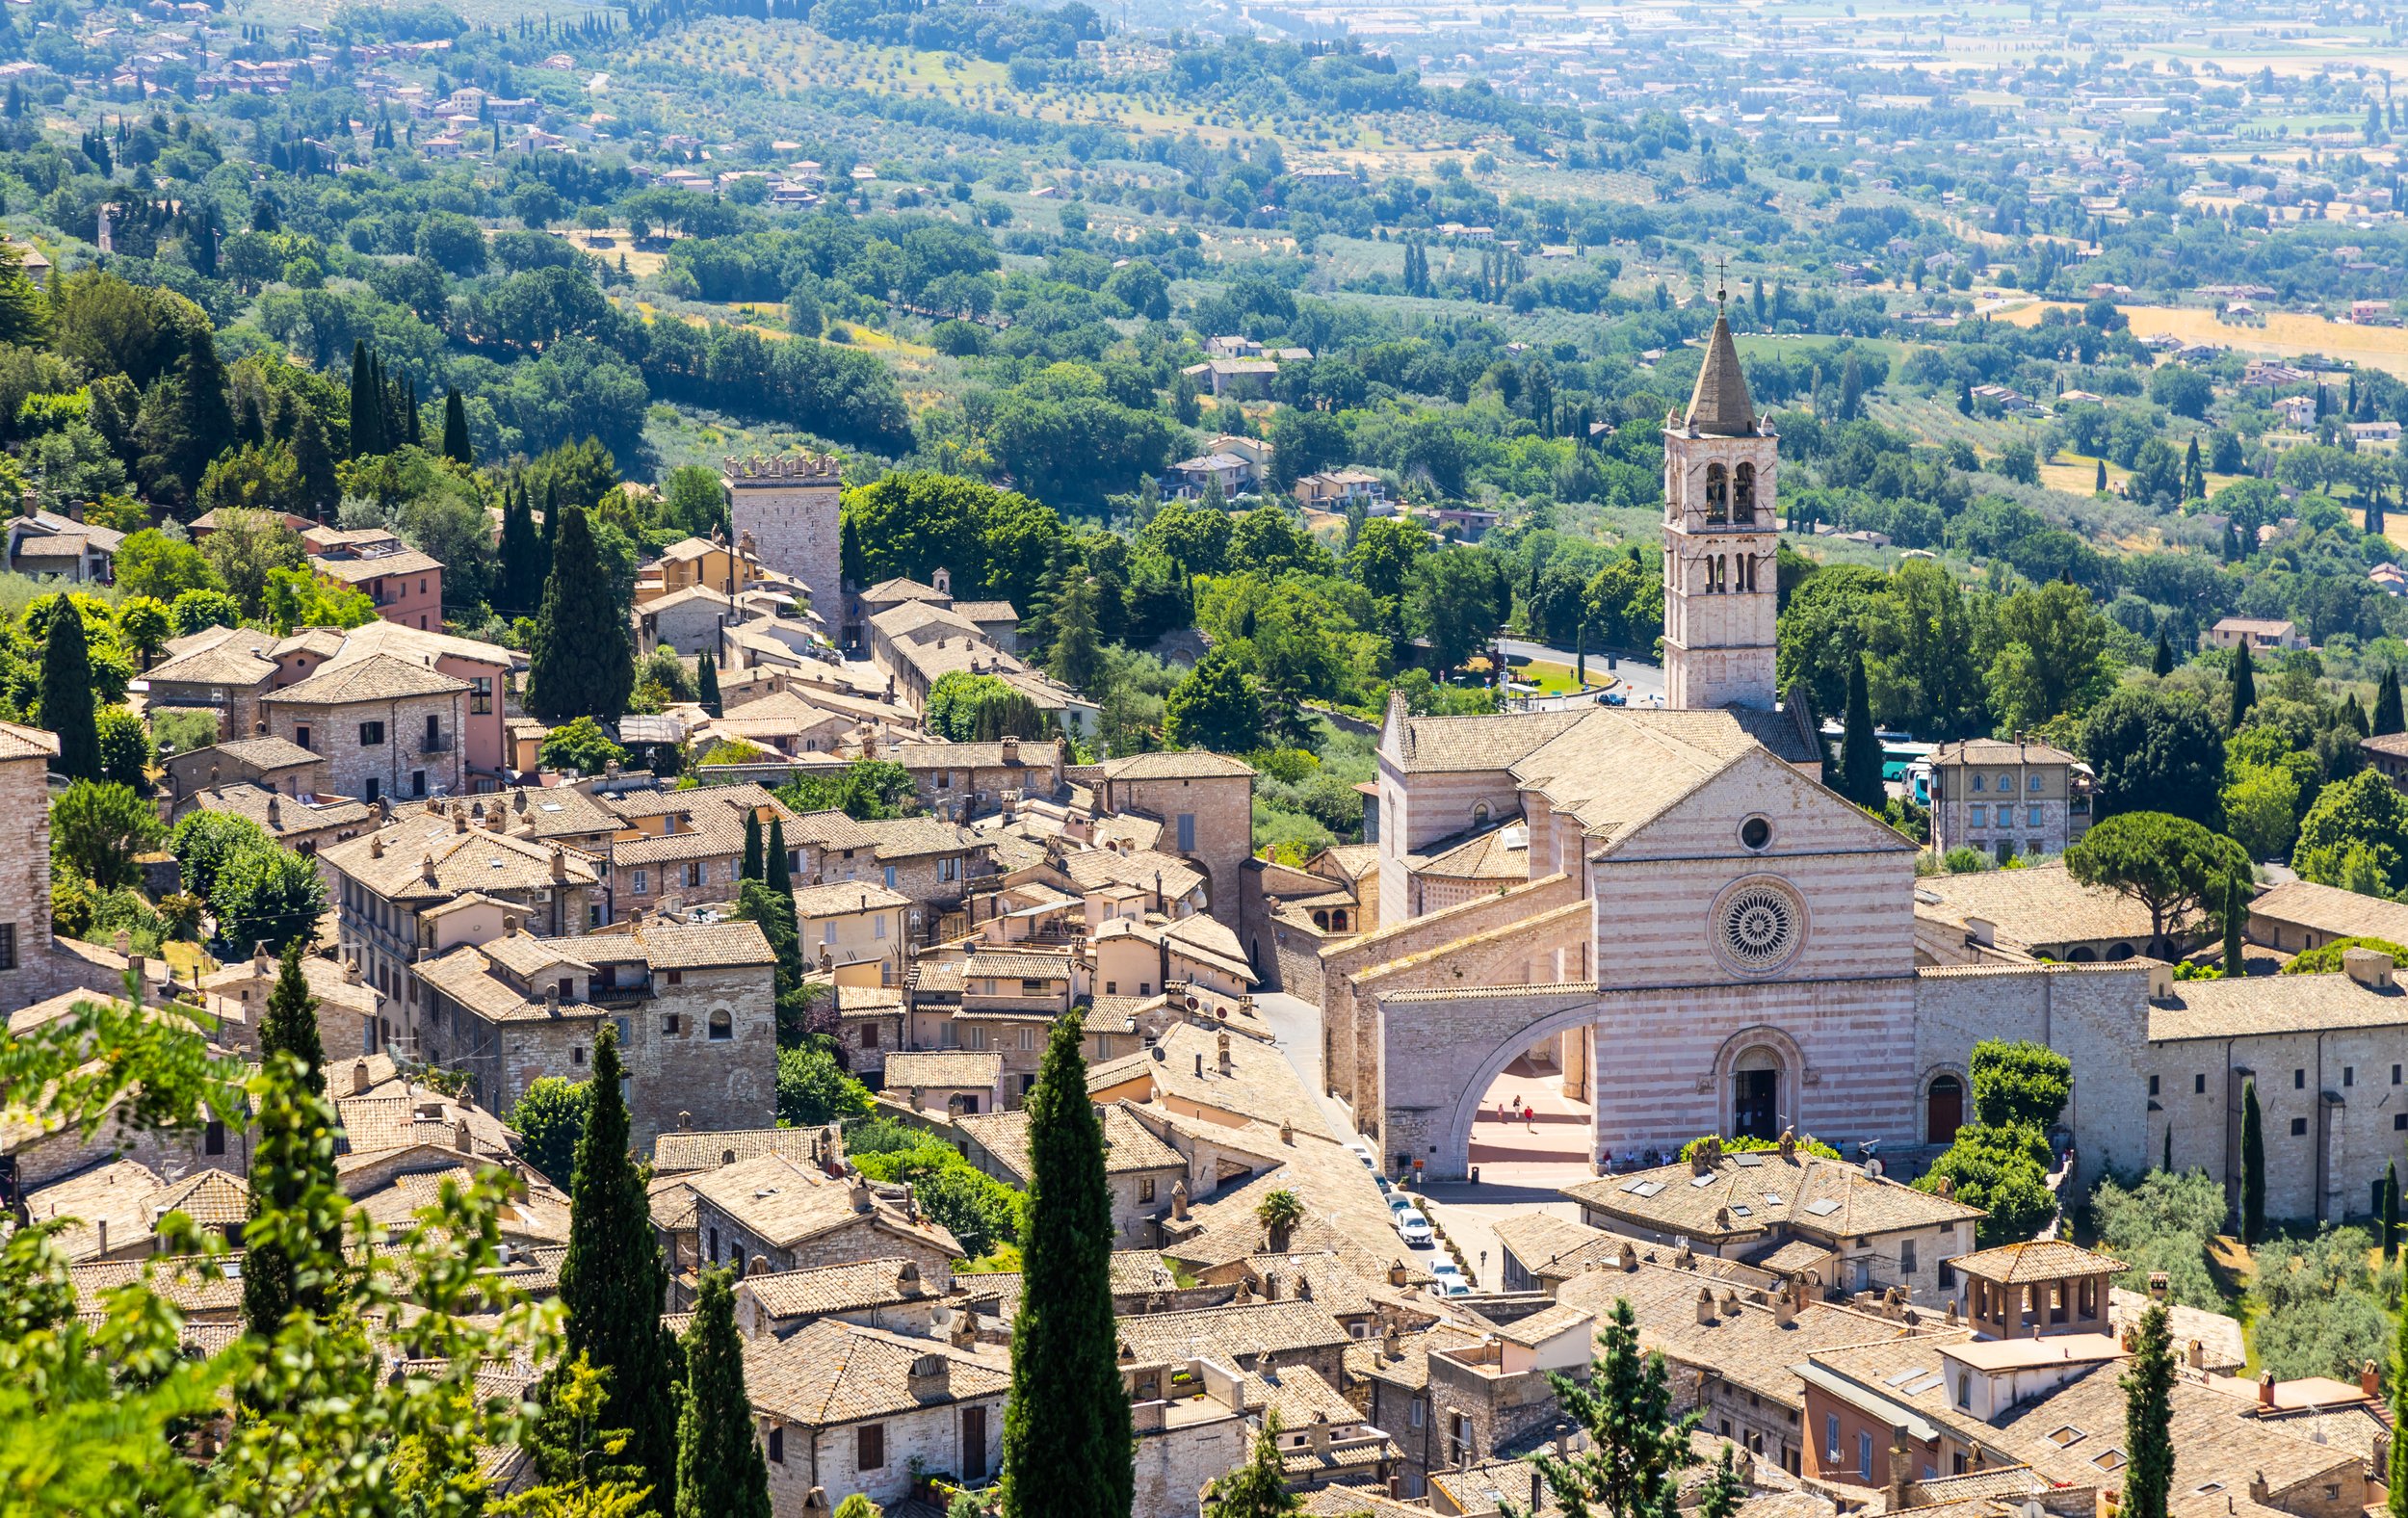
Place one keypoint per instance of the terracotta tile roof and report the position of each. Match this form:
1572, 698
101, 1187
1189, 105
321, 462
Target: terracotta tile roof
1232, 1333
1749, 1196
17, 740
194, 1284
476, 860
1190, 764
236, 658
988, 610
786, 1203
953, 1070
829, 1373
1999, 751
1439, 744
1616, 770
901, 589
2039, 906
2035, 1259
844, 897
838, 1288
684, 1150
1129, 1145
266, 752
2274, 1003
376, 677
703, 946
905, 837
2330, 910
1497, 854
211, 1199
1034, 753
1092, 867
352, 571
290, 815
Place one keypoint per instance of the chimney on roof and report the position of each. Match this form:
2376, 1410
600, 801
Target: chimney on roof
552, 1001
376, 846
275, 813
1318, 1435
460, 819
685, 1122
2160, 1285
1628, 1260
103, 1226
1287, 1132
2370, 1381
1397, 1275
560, 863
1789, 1143
510, 927
122, 942
351, 972
2265, 1390
1011, 748
1947, 1186
1179, 1201
931, 1378
1391, 1345
426, 865
259, 961
2370, 968
1784, 1310
359, 1077
1227, 1065
462, 1138
860, 1194
1901, 1470
1705, 1305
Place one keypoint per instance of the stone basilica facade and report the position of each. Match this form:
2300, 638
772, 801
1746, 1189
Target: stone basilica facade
1671, 905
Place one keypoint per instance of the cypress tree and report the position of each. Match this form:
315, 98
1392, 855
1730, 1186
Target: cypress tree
720, 1473
752, 846
455, 427
313, 460
2097, 481
66, 696
2396, 1499
2388, 716
409, 413
612, 1283
580, 664
522, 583
551, 521
707, 685
294, 1159
2163, 665
367, 412
775, 872
1067, 1438
2235, 927
2148, 1410
2252, 1164
1860, 756
2166, 1164
2244, 684
2390, 1210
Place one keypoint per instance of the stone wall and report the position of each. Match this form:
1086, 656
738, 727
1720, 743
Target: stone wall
2096, 1015
1349, 1050
2331, 1104
1223, 808
1433, 1046
928, 1440
1173, 1465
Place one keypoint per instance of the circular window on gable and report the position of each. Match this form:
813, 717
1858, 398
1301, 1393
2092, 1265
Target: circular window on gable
1756, 832
1758, 926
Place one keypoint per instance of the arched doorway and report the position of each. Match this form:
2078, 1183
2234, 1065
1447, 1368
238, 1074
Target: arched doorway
1944, 1108
1756, 1110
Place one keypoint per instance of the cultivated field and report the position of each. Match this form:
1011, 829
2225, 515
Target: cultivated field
2284, 334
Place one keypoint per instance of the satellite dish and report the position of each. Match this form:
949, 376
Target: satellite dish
1193, 1004
940, 1317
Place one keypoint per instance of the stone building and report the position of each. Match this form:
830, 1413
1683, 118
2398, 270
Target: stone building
269, 762
405, 584
389, 726
847, 1408
418, 886
1138, 1168
224, 670
1800, 1216
1205, 802
2019, 799
1721, 462
2300, 915
788, 508
694, 1008
772, 1214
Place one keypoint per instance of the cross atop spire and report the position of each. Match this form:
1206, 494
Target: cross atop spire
1722, 269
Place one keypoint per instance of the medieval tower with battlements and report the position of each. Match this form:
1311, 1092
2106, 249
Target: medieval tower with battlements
788, 506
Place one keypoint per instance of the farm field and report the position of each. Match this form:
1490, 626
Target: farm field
2284, 334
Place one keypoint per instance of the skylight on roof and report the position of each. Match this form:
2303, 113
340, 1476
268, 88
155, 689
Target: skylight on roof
1747, 1162
2066, 1436
1773, 1198
1741, 1210
1917, 1388
1707, 1179
1821, 1207
1902, 1377
2109, 1459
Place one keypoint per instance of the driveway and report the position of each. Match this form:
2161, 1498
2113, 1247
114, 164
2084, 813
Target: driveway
1640, 680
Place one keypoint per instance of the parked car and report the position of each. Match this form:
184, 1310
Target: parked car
1398, 1202
1363, 1152
1614, 698
1412, 1227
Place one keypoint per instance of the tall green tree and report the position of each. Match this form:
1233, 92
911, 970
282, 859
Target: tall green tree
2395, 1497
612, 1283
520, 555
1637, 1448
455, 427
1724, 1491
2170, 865
293, 1165
707, 685
775, 870
2148, 1412
2244, 686
2252, 1164
1258, 1488
752, 846
1067, 1437
2388, 717
2390, 1210
1218, 706
66, 693
1075, 658
1860, 754
2236, 912
367, 404
2161, 664
720, 1473
582, 663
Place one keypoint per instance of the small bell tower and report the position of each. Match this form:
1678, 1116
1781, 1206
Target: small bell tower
1721, 587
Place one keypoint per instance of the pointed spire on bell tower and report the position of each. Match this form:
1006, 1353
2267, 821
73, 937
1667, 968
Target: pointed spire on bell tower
1721, 407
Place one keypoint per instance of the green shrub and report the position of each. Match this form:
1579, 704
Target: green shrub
2327, 960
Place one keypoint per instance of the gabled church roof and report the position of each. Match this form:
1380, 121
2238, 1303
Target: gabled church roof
1720, 406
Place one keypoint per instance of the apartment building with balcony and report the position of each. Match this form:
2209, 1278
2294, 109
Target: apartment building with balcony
406, 584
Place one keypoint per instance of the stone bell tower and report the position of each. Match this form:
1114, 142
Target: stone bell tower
1721, 587
786, 508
